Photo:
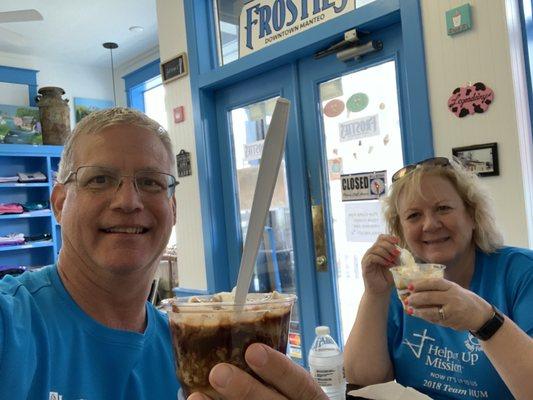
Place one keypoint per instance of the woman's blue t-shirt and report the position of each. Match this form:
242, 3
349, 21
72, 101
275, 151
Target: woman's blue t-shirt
444, 363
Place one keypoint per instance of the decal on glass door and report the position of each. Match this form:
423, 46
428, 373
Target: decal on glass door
359, 128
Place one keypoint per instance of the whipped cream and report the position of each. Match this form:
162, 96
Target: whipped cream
229, 297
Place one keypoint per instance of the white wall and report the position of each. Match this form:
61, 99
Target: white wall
190, 247
481, 54
76, 80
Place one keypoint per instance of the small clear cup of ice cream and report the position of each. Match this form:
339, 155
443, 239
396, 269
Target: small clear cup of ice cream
411, 271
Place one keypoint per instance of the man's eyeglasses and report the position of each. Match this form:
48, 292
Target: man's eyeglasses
102, 180
432, 162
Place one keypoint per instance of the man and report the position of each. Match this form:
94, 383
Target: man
83, 329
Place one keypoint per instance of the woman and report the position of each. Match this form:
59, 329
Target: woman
466, 336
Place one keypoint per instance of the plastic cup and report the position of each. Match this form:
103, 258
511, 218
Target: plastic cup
404, 275
206, 333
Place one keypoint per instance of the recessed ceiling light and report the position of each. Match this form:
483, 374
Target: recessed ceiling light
136, 28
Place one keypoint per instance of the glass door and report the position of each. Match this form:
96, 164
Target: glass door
355, 109
244, 112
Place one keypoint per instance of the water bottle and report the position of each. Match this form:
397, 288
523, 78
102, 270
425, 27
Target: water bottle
326, 364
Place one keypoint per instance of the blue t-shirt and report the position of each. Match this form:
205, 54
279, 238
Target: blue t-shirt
51, 349
444, 363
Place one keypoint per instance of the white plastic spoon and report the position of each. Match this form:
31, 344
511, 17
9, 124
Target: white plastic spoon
264, 189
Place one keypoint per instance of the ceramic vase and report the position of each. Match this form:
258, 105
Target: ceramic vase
54, 114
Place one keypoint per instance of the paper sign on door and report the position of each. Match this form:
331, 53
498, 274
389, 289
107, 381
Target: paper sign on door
364, 221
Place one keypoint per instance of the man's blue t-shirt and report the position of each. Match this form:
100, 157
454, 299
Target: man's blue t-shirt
51, 349
444, 363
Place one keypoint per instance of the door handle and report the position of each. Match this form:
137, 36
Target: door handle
319, 236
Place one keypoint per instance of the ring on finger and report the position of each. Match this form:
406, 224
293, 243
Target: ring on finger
442, 314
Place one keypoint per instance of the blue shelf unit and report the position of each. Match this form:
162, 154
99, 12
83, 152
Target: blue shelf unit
16, 158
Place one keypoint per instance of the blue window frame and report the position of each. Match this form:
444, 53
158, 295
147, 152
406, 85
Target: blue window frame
526, 17
139, 81
21, 76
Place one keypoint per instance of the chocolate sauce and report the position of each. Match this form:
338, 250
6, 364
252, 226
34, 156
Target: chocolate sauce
200, 347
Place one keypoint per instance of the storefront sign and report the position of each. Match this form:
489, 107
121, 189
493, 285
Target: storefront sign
253, 151
471, 99
364, 221
359, 128
364, 186
264, 22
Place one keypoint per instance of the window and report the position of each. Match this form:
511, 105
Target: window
154, 105
227, 14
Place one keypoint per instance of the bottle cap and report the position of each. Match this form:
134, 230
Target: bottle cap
322, 330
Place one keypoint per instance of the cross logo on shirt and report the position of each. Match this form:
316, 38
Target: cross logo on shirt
417, 348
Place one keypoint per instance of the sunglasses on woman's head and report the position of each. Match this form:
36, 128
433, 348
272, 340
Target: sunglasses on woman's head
432, 162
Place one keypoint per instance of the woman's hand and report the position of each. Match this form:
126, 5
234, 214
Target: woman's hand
460, 308
287, 380
376, 263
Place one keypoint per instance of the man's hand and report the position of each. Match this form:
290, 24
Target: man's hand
287, 380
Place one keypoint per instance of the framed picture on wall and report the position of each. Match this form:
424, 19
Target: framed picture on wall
20, 125
480, 158
84, 107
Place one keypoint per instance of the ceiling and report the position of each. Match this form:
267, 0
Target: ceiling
73, 31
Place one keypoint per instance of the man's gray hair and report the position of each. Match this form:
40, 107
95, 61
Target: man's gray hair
98, 121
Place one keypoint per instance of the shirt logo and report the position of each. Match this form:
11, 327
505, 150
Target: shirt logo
472, 343
417, 348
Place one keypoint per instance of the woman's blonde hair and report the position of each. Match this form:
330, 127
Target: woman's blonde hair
487, 236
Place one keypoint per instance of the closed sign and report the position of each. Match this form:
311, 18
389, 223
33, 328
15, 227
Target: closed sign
363, 186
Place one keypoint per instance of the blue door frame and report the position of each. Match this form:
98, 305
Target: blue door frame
207, 78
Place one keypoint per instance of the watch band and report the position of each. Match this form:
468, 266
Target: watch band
490, 327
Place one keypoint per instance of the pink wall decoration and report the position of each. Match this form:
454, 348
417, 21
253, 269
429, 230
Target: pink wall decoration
470, 99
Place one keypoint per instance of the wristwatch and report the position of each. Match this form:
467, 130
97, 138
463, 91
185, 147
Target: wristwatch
491, 326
